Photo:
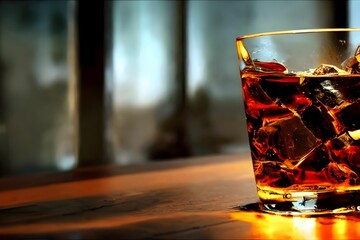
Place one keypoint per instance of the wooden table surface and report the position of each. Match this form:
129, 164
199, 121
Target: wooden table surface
180, 199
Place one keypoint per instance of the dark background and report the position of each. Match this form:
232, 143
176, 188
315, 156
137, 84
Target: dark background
129, 82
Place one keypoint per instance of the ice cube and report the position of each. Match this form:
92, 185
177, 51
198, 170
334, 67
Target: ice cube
282, 179
309, 177
266, 112
353, 156
346, 150
259, 105
316, 160
349, 116
340, 142
332, 91
319, 122
334, 174
352, 65
273, 174
280, 88
273, 112
266, 138
271, 155
263, 169
325, 69
327, 93
270, 66
298, 102
253, 91
340, 174
288, 137
255, 98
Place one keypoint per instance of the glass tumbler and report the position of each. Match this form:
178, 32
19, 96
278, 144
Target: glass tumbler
301, 91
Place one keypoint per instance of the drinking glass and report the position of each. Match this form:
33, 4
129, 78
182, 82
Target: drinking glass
301, 91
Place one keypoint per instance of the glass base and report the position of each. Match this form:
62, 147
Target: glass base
316, 202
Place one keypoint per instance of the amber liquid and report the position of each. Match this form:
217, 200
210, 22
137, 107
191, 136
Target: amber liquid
304, 134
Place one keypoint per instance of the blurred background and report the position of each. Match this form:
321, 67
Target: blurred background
128, 82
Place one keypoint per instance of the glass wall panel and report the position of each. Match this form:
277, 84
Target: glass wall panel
35, 127
143, 68
354, 7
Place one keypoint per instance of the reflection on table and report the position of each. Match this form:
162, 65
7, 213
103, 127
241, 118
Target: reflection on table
181, 199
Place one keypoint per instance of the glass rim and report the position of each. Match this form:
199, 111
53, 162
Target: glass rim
300, 31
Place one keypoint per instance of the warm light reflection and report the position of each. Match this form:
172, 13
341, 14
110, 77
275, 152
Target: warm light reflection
267, 226
140, 56
340, 230
305, 227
